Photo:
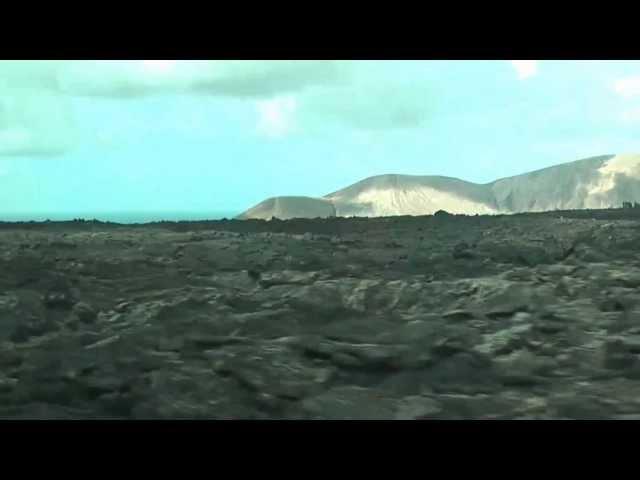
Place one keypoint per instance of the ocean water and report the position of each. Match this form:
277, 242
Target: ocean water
117, 217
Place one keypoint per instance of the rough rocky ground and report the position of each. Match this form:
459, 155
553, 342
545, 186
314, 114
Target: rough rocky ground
533, 316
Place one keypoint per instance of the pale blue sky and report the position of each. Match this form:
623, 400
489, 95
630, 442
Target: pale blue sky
215, 137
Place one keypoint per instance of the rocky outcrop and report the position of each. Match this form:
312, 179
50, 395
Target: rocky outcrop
518, 317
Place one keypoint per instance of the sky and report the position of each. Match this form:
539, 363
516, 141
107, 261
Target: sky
206, 138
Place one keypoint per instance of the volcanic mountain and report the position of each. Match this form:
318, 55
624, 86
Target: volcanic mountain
596, 182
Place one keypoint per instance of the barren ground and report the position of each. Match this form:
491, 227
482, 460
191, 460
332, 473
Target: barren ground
530, 316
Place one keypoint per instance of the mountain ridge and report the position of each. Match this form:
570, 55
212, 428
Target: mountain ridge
595, 182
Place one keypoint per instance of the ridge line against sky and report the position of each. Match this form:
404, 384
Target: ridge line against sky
484, 184
218, 135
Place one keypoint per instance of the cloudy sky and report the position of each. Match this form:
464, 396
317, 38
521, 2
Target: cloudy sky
215, 137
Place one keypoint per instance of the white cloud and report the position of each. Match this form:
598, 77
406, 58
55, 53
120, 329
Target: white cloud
31, 74
370, 106
128, 78
233, 78
628, 87
276, 116
114, 78
159, 66
36, 103
631, 116
14, 138
34, 122
525, 68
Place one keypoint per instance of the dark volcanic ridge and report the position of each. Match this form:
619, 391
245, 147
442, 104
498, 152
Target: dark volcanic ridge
327, 225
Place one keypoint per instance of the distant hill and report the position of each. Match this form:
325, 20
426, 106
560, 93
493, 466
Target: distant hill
597, 182
290, 207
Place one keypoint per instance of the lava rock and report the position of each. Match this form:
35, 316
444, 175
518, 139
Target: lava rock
462, 251
417, 407
522, 368
62, 299
254, 274
622, 354
442, 214
84, 312
350, 403
458, 315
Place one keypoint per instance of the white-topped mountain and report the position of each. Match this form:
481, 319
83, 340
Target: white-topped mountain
597, 182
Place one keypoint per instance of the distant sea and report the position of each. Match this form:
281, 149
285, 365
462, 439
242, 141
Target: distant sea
118, 217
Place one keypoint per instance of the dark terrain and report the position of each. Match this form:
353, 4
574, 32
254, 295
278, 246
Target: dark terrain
529, 316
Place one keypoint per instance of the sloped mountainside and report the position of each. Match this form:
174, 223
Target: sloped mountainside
291, 207
596, 182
